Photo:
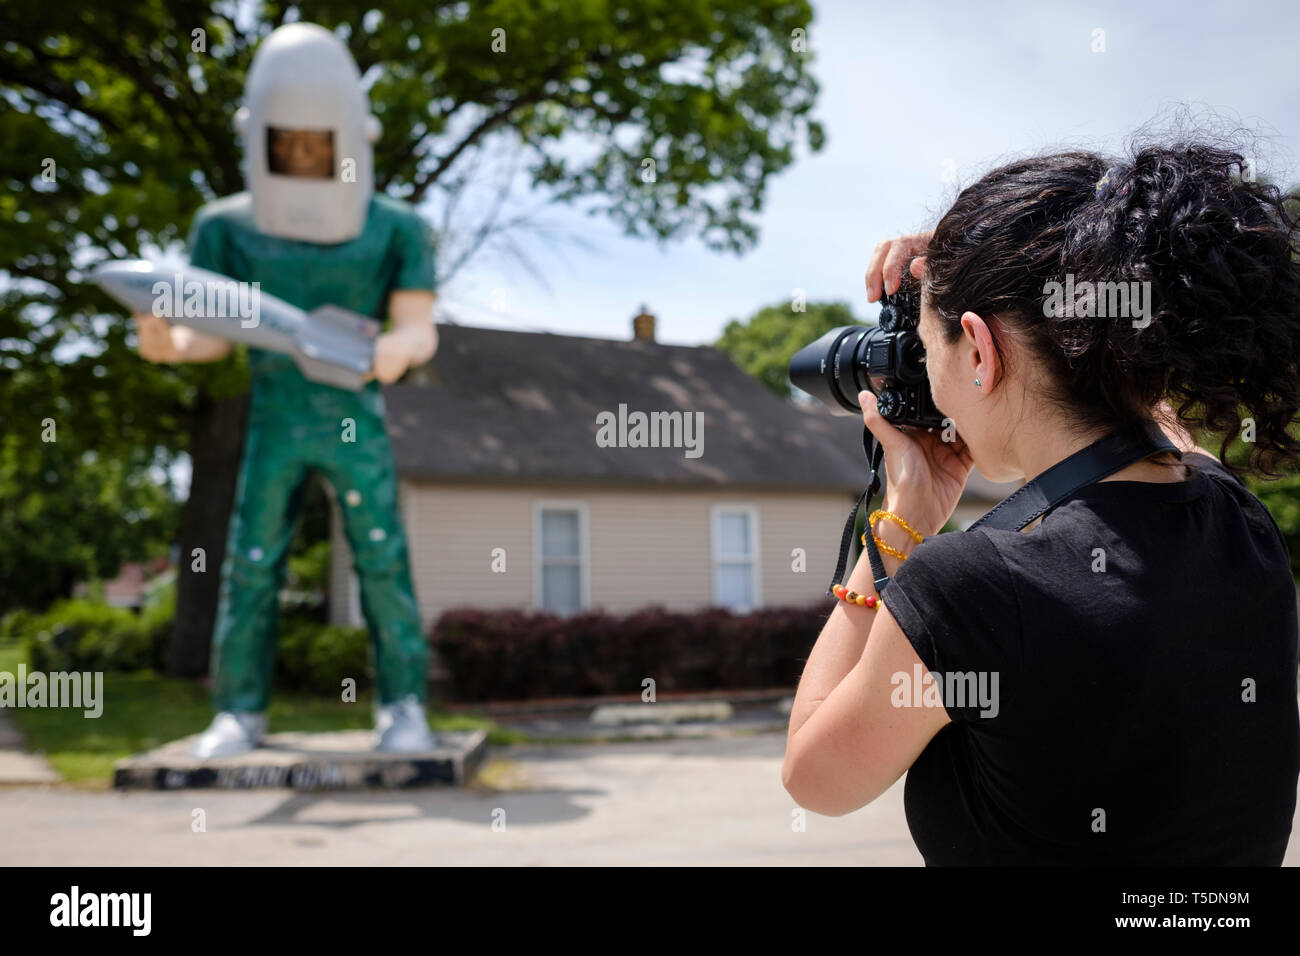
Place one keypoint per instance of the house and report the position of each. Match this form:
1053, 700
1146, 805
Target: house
562, 473
135, 581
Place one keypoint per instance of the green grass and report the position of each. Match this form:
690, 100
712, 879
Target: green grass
144, 710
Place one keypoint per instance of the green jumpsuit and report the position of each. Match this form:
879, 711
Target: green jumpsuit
297, 428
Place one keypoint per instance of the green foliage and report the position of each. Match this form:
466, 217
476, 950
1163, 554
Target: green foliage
77, 634
763, 345
1282, 498
309, 569
317, 657
80, 635
69, 513
16, 625
156, 616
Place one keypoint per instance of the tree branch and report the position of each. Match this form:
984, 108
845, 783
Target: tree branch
490, 123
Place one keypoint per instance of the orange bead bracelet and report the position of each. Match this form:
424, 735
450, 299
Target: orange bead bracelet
853, 597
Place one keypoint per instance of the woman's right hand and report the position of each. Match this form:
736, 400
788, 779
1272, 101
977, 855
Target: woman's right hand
885, 270
154, 338
924, 475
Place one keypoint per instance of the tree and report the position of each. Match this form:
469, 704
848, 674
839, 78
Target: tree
71, 515
764, 344
666, 116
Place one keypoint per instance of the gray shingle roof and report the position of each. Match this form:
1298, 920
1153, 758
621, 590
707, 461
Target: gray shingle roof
497, 405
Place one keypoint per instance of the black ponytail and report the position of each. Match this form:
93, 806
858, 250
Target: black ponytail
1209, 255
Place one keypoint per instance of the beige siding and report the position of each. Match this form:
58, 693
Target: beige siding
645, 546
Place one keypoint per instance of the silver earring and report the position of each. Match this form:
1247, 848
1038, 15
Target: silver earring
977, 383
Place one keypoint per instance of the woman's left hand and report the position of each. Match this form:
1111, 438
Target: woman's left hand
925, 474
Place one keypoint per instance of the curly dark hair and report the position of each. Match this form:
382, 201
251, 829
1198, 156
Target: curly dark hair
1218, 249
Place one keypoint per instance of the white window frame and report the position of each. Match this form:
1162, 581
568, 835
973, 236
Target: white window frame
584, 548
756, 557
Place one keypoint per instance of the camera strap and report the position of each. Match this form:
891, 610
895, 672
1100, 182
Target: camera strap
875, 453
1105, 456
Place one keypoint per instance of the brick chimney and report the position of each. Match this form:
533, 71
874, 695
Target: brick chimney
643, 326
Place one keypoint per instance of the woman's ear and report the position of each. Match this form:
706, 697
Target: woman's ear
986, 353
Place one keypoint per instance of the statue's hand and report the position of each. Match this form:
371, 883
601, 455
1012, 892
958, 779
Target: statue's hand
393, 355
155, 342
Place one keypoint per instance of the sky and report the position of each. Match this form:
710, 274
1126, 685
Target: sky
917, 99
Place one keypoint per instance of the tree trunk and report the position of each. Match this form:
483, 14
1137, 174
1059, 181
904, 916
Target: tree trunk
215, 451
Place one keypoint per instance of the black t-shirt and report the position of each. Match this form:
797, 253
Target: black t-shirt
1145, 714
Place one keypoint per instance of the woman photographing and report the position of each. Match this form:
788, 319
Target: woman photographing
1141, 637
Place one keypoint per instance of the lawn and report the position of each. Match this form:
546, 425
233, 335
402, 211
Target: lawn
145, 710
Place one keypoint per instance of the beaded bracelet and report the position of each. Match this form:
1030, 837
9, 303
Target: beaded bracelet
885, 547
853, 597
881, 544
882, 513
871, 600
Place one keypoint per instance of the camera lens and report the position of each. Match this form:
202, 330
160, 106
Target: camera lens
826, 369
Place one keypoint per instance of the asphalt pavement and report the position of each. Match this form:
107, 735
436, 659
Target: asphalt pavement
678, 802
670, 793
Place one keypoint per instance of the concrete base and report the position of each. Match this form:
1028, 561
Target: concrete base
342, 760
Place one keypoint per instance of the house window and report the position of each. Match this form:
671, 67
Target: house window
735, 557
561, 558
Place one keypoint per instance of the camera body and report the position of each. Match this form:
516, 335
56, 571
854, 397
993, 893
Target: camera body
887, 359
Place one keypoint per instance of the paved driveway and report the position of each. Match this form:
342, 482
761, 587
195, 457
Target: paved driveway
659, 803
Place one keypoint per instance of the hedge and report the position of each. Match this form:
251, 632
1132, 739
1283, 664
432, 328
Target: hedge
315, 657
80, 634
515, 655
83, 635
489, 655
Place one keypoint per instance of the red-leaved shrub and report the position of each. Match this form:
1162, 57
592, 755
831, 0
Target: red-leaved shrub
516, 655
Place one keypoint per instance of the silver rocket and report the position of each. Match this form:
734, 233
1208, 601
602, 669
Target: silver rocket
330, 345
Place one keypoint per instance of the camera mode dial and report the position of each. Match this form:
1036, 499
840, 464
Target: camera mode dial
889, 403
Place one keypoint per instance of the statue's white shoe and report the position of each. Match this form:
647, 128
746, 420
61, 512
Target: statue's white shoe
231, 733
403, 727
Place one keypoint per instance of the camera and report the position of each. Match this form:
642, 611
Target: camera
887, 359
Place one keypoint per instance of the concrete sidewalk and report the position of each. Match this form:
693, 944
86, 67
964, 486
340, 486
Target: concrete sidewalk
667, 720
628, 717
